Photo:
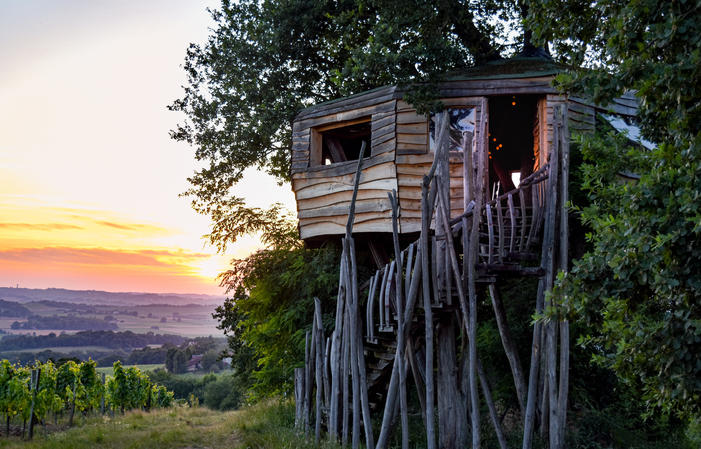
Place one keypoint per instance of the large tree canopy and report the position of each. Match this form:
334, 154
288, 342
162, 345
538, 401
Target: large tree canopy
641, 282
267, 60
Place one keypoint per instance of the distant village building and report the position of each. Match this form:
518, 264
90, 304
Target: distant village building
195, 363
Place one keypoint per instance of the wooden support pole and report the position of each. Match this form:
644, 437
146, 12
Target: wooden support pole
401, 344
307, 382
353, 346
70, 417
36, 376
345, 369
362, 402
551, 327
335, 362
564, 267
319, 338
299, 398
544, 285
509, 347
102, 399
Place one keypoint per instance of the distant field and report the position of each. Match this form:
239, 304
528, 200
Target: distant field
108, 370
195, 320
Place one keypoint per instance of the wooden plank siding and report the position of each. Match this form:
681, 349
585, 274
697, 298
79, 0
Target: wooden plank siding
399, 154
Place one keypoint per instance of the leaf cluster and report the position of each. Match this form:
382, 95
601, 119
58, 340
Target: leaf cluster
267, 60
271, 310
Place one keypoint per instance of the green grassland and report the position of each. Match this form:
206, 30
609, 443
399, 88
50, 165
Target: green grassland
266, 425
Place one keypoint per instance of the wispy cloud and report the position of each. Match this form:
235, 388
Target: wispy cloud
39, 226
103, 257
130, 226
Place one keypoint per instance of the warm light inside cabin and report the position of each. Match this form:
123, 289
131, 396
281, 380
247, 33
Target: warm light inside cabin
516, 177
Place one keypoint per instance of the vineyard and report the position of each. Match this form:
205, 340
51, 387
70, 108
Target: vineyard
34, 394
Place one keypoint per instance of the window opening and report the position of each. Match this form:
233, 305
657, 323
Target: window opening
342, 143
462, 129
513, 119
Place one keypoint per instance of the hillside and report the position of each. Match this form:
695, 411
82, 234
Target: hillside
96, 297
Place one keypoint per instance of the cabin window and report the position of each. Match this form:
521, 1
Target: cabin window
340, 142
462, 129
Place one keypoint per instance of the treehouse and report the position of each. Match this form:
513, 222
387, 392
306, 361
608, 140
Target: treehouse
502, 110
481, 196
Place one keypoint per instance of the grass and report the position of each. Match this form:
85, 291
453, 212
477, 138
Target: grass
267, 425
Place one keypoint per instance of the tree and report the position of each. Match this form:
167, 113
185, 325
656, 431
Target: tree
641, 282
265, 61
15, 325
271, 310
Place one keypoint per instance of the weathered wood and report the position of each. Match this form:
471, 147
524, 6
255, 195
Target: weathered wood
375, 96
336, 372
509, 347
307, 382
327, 380
319, 334
452, 413
513, 220
419, 378
365, 403
335, 148
401, 344
36, 376
381, 301
382, 135
500, 227
102, 397
370, 308
363, 207
383, 120
564, 266
299, 397
428, 315
72, 412
353, 340
345, 369
551, 330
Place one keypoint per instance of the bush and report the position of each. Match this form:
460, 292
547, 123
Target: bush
223, 394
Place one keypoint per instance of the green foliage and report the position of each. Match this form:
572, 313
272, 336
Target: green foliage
272, 308
129, 388
640, 284
651, 46
176, 361
223, 394
266, 61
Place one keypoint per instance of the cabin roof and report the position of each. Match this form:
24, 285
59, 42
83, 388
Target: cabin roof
516, 67
511, 68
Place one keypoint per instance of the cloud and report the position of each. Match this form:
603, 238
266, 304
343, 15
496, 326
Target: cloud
39, 226
130, 227
94, 257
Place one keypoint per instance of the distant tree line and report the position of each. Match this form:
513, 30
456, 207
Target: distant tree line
13, 309
68, 323
109, 339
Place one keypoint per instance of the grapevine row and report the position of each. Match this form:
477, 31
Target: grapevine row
74, 387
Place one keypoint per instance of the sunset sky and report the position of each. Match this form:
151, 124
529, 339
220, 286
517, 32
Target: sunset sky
89, 179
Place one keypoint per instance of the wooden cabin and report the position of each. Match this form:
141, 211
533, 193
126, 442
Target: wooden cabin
515, 128
503, 109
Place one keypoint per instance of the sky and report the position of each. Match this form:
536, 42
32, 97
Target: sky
89, 178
